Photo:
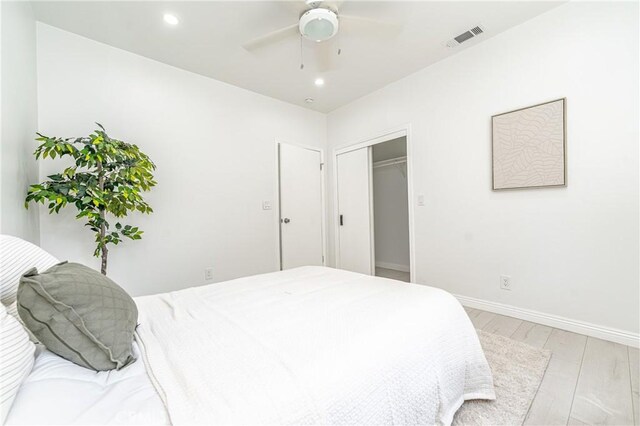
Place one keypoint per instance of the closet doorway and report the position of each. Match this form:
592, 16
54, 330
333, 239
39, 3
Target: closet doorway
391, 209
373, 214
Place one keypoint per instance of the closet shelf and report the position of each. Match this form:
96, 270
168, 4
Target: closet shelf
390, 162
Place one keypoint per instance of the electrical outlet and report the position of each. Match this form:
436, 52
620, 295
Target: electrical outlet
266, 205
505, 282
208, 274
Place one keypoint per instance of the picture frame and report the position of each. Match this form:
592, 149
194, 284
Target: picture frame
529, 147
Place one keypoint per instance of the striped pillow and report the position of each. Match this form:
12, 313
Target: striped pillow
16, 359
17, 257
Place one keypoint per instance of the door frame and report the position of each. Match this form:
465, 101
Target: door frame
276, 205
384, 136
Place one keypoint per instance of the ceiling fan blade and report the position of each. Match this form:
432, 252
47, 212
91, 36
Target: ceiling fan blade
272, 37
371, 26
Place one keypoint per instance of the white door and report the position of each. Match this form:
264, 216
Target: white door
301, 241
355, 245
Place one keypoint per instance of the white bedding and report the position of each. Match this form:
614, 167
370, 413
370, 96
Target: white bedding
59, 392
312, 345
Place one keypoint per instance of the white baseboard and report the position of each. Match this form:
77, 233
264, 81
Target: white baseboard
581, 327
394, 266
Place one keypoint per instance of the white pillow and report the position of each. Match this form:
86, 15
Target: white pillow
17, 256
16, 359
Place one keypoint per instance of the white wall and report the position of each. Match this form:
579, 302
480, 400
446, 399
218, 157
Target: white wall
571, 251
391, 217
18, 168
214, 145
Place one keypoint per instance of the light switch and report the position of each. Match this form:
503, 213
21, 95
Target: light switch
421, 200
266, 205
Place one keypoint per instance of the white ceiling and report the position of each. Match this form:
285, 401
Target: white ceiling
208, 40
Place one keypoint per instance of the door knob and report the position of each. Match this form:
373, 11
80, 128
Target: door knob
286, 220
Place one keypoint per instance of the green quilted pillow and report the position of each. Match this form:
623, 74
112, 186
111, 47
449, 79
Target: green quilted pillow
80, 315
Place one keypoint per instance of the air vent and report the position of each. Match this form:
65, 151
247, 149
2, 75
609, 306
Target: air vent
467, 35
464, 37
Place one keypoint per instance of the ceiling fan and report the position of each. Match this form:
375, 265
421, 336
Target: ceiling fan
319, 22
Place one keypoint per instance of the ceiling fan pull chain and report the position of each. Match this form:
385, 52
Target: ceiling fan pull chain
301, 56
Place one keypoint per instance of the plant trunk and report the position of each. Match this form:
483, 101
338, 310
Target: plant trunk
105, 250
103, 228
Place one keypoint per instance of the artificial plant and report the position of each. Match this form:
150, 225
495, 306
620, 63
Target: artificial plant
107, 179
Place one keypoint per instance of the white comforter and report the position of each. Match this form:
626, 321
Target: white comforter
312, 345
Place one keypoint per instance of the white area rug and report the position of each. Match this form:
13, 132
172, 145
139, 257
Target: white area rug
517, 372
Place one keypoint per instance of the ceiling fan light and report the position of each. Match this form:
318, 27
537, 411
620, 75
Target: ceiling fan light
318, 30
319, 24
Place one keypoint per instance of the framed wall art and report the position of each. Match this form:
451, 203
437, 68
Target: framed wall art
529, 147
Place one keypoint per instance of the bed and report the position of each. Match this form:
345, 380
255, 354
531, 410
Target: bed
308, 345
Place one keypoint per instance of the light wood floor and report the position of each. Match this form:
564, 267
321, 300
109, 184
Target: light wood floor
588, 381
393, 274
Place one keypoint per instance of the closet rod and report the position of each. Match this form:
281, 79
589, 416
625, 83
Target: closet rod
390, 162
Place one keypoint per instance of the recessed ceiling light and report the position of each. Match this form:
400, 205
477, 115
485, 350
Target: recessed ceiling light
319, 82
170, 19
309, 100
